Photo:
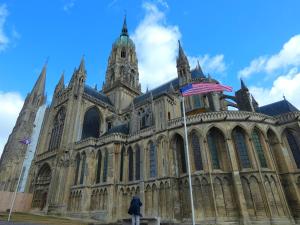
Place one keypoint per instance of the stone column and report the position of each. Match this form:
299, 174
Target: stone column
237, 183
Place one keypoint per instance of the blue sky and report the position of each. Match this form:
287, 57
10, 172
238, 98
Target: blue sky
254, 39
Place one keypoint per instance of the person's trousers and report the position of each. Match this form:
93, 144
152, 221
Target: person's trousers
135, 219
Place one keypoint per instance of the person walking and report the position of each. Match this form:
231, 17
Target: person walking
134, 210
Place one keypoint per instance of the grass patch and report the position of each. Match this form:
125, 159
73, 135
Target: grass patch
26, 217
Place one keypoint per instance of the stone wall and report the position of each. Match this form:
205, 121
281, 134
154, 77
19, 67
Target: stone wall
22, 202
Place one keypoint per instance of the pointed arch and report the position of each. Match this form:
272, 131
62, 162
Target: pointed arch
216, 144
239, 139
178, 146
257, 139
57, 130
196, 150
91, 123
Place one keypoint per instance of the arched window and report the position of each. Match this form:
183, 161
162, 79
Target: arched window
123, 53
91, 123
294, 146
241, 147
83, 165
214, 138
77, 161
180, 151
99, 159
197, 101
122, 163
152, 164
57, 129
137, 163
197, 151
256, 137
105, 166
130, 164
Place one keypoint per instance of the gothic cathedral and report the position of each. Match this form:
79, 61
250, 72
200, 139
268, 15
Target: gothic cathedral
92, 150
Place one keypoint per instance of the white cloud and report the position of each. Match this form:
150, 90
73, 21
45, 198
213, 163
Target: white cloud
156, 45
287, 58
209, 64
4, 40
69, 4
11, 104
157, 49
287, 85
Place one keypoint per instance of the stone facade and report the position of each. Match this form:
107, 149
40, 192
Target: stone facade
99, 148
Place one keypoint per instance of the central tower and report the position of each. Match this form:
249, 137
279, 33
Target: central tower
122, 75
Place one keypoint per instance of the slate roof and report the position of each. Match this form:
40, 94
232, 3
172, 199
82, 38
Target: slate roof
277, 108
123, 129
197, 73
96, 94
157, 91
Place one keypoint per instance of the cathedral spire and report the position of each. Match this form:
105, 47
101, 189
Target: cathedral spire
243, 85
124, 28
181, 53
82, 65
39, 87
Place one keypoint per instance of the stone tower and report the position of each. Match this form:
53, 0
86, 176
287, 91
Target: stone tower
243, 98
122, 75
14, 151
183, 67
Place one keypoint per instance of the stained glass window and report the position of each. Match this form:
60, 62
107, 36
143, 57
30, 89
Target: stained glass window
83, 168
130, 164
153, 165
294, 146
197, 152
137, 163
259, 149
213, 141
241, 147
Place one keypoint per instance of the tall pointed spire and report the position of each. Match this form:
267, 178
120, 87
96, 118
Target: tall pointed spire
124, 28
39, 87
180, 50
243, 86
82, 65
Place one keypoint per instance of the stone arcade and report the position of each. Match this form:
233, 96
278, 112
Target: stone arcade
97, 149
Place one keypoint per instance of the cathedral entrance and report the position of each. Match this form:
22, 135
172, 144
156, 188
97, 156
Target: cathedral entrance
41, 187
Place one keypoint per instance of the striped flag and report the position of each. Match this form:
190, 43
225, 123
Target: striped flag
202, 88
25, 141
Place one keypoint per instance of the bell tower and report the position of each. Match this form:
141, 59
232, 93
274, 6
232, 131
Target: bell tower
122, 75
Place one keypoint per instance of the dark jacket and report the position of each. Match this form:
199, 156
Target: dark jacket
135, 206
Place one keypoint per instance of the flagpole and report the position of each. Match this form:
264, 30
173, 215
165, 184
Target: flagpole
15, 193
188, 160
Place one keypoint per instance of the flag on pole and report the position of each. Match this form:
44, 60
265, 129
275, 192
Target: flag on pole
202, 88
25, 141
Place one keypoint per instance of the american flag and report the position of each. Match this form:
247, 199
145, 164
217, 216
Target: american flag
202, 88
25, 141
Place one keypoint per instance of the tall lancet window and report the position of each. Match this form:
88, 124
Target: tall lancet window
152, 163
294, 146
241, 147
57, 129
197, 151
137, 163
130, 164
98, 173
256, 137
83, 168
